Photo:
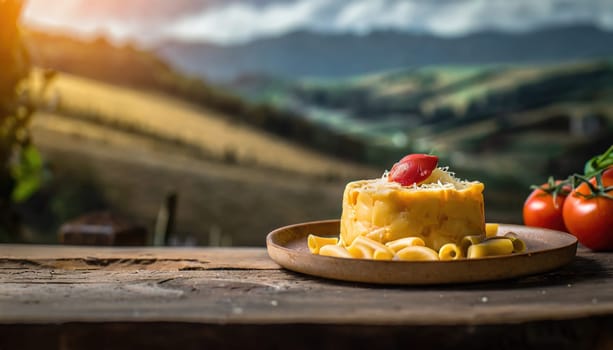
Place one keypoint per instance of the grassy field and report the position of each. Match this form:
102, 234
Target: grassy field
97, 167
501, 79
209, 133
125, 150
517, 111
131, 175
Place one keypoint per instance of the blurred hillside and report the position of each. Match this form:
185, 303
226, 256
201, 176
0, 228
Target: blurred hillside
508, 125
140, 69
459, 108
310, 54
124, 128
102, 167
201, 132
126, 136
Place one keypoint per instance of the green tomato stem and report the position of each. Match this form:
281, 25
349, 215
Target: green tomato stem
598, 190
599, 162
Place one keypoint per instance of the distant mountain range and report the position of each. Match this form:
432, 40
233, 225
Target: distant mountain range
311, 54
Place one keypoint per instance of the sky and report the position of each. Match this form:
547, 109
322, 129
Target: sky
235, 21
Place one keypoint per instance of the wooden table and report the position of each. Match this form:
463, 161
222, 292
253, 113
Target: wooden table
54, 297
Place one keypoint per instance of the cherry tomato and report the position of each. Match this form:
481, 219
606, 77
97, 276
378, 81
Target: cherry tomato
541, 210
591, 219
413, 169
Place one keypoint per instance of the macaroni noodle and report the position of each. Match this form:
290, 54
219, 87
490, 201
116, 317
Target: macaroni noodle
401, 243
316, 242
417, 252
414, 249
490, 247
450, 251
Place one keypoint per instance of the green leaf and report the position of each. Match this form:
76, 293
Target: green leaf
28, 173
599, 162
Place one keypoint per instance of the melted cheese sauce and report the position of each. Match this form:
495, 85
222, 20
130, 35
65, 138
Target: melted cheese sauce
442, 209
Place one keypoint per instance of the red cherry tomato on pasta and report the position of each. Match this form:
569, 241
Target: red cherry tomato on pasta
541, 210
413, 169
589, 216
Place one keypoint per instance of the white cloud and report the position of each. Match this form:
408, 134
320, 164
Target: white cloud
233, 21
605, 20
364, 15
243, 21
461, 17
355, 13
453, 19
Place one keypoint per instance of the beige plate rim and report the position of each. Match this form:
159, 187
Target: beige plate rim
546, 250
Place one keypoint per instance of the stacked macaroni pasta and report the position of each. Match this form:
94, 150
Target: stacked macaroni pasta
441, 218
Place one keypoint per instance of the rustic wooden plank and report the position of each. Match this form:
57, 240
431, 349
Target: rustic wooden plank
129, 258
591, 333
40, 285
123, 298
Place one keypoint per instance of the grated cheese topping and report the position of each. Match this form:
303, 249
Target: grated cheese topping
441, 178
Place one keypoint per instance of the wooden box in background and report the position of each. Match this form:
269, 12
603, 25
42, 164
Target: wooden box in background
102, 229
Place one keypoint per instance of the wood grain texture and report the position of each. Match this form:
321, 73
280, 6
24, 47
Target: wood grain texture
208, 291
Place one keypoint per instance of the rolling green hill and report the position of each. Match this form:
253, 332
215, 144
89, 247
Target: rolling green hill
434, 99
125, 129
509, 125
203, 132
115, 148
135, 68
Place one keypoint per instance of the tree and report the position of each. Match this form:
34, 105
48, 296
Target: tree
20, 163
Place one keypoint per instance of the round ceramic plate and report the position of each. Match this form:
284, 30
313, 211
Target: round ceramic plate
546, 251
